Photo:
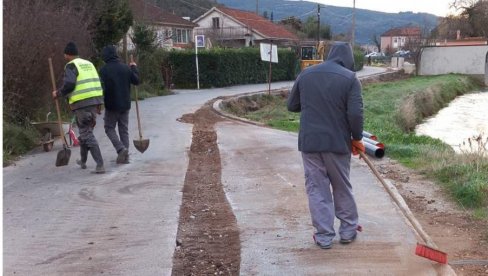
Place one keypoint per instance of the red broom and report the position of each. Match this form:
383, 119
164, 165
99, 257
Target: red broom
429, 250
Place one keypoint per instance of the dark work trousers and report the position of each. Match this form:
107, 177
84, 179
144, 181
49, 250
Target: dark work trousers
86, 118
119, 119
330, 194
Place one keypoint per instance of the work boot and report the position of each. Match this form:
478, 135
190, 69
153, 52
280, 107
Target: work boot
99, 169
123, 157
97, 156
126, 160
349, 240
84, 156
321, 244
82, 165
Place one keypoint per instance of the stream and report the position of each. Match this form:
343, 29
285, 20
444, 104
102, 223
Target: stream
465, 117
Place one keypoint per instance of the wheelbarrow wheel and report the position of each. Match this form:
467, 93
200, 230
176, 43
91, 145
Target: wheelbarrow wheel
47, 141
47, 146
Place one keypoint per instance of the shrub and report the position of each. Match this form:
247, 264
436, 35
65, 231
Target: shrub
35, 30
358, 59
150, 72
223, 67
17, 140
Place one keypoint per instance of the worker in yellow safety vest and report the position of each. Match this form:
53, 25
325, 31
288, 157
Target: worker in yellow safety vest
81, 86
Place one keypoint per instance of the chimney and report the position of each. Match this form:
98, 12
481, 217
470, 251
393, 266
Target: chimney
458, 35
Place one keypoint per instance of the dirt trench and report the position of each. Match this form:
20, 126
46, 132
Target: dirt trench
208, 237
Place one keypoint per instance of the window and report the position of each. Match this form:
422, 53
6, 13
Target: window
182, 36
215, 22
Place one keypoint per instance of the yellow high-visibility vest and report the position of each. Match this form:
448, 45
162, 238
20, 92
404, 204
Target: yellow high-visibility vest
87, 83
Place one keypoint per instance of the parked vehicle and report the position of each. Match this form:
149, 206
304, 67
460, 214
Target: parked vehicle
375, 54
402, 53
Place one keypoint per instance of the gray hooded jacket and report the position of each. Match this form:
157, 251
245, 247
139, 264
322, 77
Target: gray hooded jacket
328, 95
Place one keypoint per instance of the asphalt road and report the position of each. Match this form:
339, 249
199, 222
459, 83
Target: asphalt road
67, 221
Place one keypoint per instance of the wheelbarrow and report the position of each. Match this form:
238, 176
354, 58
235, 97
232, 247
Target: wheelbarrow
49, 130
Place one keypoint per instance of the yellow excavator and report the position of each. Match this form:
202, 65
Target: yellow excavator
311, 55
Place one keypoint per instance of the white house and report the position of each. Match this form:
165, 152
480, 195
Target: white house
231, 27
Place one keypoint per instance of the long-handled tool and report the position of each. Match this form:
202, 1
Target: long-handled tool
142, 144
429, 251
63, 155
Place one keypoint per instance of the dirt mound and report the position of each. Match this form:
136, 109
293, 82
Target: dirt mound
208, 238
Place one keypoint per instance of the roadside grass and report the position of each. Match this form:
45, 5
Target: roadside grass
18, 140
392, 110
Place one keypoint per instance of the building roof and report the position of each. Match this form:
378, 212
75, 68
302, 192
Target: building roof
150, 13
257, 23
403, 31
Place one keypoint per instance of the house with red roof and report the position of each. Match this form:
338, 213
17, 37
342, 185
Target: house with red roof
237, 28
398, 38
171, 30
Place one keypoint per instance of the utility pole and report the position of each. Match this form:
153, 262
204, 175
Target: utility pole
257, 7
353, 23
318, 24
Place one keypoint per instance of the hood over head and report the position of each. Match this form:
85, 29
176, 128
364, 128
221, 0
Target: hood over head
341, 53
109, 53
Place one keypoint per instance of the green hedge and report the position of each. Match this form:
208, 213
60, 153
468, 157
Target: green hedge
225, 67
358, 60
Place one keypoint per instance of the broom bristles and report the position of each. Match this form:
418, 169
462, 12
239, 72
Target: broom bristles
431, 253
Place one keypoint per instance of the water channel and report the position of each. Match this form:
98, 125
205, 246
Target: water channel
465, 117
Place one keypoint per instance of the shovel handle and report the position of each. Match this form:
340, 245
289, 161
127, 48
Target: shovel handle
137, 112
137, 104
53, 81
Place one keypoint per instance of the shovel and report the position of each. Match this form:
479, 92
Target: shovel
142, 144
63, 155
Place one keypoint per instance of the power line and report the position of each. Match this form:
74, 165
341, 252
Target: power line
193, 5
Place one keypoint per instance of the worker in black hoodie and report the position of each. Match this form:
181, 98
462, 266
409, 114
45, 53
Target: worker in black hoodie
116, 78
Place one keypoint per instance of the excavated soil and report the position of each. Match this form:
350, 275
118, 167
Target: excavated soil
208, 238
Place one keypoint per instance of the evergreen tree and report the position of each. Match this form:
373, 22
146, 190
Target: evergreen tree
144, 38
112, 21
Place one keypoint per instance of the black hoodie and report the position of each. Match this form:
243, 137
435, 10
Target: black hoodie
328, 95
116, 78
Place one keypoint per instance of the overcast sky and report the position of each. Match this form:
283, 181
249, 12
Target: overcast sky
437, 7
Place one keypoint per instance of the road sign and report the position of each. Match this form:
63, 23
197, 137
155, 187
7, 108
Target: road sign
200, 41
269, 52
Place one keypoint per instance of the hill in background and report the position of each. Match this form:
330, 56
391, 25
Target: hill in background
368, 23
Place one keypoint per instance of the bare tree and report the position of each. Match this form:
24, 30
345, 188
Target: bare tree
376, 39
475, 13
35, 30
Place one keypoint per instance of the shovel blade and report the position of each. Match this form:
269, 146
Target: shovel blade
63, 157
141, 145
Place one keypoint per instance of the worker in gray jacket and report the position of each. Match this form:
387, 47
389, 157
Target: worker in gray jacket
328, 95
